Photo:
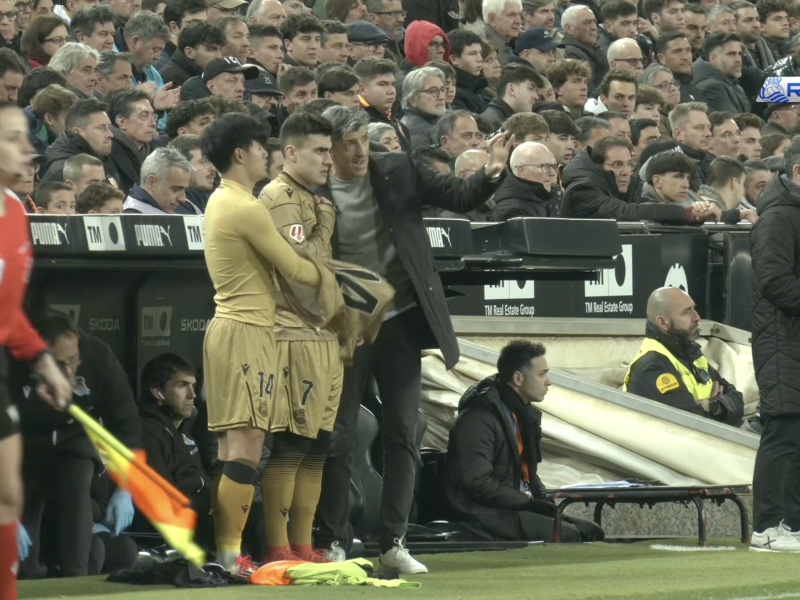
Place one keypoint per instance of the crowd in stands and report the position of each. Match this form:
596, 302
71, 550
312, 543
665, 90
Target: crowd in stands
614, 109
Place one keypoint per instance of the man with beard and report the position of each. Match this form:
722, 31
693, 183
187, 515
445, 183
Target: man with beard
670, 367
423, 103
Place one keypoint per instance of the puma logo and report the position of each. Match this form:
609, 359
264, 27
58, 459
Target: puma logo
245, 508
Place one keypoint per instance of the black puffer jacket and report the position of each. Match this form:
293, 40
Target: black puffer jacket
483, 468
66, 146
470, 92
421, 127
126, 159
498, 112
591, 193
775, 251
721, 92
179, 69
520, 198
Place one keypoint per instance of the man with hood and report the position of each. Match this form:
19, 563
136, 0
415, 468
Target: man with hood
717, 79
423, 43
493, 453
530, 188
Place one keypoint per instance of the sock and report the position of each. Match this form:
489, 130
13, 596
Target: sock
277, 489
8, 561
307, 488
234, 498
216, 478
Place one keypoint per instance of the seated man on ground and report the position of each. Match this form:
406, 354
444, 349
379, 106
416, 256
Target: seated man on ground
495, 446
670, 366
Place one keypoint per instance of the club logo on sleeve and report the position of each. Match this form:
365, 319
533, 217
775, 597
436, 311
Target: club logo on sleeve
667, 382
296, 233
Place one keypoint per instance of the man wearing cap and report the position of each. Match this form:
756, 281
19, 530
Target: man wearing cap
302, 38
216, 9
781, 118
262, 90
536, 47
221, 77
366, 40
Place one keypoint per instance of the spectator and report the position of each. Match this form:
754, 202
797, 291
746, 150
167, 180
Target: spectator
620, 125
486, 131
457, 132
466, 58
334, 45
470, 162
626, 55
47, 114
490, 475
531, 188
619, 22
224, 77
179, 15
93, 25
449, 79
561, 141
55, 198
667, 178
114, 72
11, 31
269, 13
590, 129
100, 199
423, 104
296, 7
424, 42
378, 94
717, 79
340, 84
12, 75
617, 94
385, 135
674, 52
756, 179
346, 11
536, 47
725, 135
434, 157
223, 8
668, 16
527, 127
692, 129
133, 125
266, 48
516, 92
154, 6
538, 13
491, 67
366, 41
264, 93
643, 133
748, 29
237, 37
202, 180
726, 188
580, 39
77, 63
774, 18
720, 18
389, 16
570, 80
197, 45
145, 37
774, 144
661, 79
275, 159
781, 118
649, 103
165, 176
190, 118
405, 186
299, 87
750, 129
42, 40
670, 366
86, 131
503, 19
82, 170
124, 10
695, 19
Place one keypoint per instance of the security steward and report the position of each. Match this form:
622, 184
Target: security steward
670, 366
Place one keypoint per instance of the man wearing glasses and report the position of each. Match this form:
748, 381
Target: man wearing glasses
9, 36
531, 190
626, 55
389, 15
674, 52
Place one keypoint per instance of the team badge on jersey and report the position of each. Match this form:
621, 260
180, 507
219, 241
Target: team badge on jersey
296, 233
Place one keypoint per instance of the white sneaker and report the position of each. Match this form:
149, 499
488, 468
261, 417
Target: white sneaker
398, 559
335, 553
775, 539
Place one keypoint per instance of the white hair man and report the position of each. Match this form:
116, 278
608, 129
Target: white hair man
78, 64
266, 12
165, 176
503, 20
580, 39
423, 103
531, 189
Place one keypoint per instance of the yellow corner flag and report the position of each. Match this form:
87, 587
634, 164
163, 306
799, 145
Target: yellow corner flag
157, 499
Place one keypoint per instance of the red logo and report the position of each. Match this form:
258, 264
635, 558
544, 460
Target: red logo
296, 233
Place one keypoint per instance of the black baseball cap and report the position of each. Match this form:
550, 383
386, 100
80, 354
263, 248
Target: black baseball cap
228, 64
364, 32
263, 84
536, 37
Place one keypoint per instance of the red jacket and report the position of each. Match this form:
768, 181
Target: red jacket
418, 35
35, 63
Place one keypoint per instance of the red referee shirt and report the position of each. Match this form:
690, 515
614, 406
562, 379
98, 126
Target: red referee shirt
16, 260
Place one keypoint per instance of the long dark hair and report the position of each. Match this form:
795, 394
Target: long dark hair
40, 29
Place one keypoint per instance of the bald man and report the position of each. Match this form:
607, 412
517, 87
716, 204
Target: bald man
470, 162
670, 366
531, 189
626, 54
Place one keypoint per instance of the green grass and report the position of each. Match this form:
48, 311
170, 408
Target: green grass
588, 572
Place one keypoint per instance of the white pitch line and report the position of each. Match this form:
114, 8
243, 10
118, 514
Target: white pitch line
773, 597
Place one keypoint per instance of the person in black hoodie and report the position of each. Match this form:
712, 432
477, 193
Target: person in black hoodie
197, 45
530, 188
59, 457
466, 58
490, 474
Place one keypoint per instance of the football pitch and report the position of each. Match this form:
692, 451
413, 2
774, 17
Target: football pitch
552, 572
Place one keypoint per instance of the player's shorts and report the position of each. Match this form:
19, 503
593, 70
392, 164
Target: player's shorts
9, 417
239, 368
308, 387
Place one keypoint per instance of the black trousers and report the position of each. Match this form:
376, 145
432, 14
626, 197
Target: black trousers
776, 479
395, 361
536, 527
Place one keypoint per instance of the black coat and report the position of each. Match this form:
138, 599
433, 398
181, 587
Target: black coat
469, 92
689, 93
421, 128
775, 252
591, 193
646, 372
401, 187
702, 161
483, 470
179, 70
194, 89
721, 93
497, 112
376, 116
590, 54
520, 198
66, 146
126, 159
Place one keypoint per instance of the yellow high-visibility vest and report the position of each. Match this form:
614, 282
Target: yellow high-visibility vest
698, 390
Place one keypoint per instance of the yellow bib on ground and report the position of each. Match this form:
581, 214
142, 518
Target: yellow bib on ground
668, 381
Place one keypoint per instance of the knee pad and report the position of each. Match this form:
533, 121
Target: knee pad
240, 471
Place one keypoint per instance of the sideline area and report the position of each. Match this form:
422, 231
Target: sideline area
552, 572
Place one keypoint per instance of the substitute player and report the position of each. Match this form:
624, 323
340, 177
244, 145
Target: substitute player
309, 378
242, 249
17, 335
